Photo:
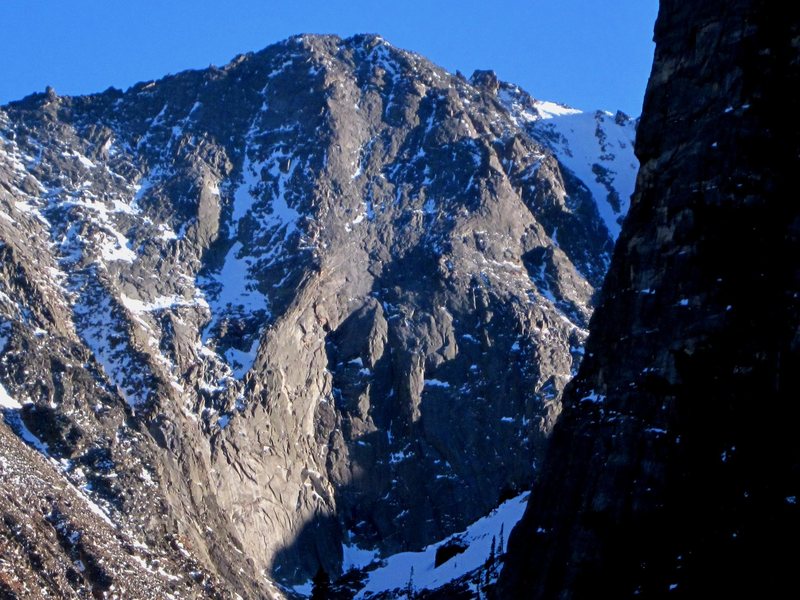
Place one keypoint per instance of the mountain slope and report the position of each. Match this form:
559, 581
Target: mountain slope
54, 539
312, 295
661, 479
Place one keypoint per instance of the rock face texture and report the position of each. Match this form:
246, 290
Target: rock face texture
675, 467
55, 542
326, 295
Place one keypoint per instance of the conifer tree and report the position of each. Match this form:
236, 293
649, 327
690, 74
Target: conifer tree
410, 593
321, 589
501, 549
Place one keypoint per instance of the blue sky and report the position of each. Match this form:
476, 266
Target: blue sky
585, 53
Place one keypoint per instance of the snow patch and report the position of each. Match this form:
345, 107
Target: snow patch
436, 383
14, 419
6, 401
354, 557
550, 110
394, 570
100, 330
233, 292
161, 303
594, 398
598, 150
241, 361
656, 430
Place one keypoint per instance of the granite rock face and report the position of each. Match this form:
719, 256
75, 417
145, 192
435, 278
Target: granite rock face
327, 294
675, 467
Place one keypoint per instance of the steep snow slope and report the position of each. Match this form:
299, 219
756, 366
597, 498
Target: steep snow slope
596, 147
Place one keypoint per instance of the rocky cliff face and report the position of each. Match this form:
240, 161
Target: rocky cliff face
325, 296
56, 542
675, 466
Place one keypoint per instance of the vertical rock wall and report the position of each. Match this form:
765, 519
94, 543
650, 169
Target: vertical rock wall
675, 468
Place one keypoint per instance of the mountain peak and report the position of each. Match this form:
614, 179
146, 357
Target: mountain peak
486, 80
281, 278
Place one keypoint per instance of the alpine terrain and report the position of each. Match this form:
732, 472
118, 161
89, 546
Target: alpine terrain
307, 312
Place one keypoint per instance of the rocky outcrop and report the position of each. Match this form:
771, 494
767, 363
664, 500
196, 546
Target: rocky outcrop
674, 469
311, 295
55, 542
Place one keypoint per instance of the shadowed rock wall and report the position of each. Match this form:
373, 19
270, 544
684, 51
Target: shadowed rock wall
675, 467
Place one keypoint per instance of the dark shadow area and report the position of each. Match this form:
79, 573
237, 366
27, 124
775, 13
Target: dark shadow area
421, 467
